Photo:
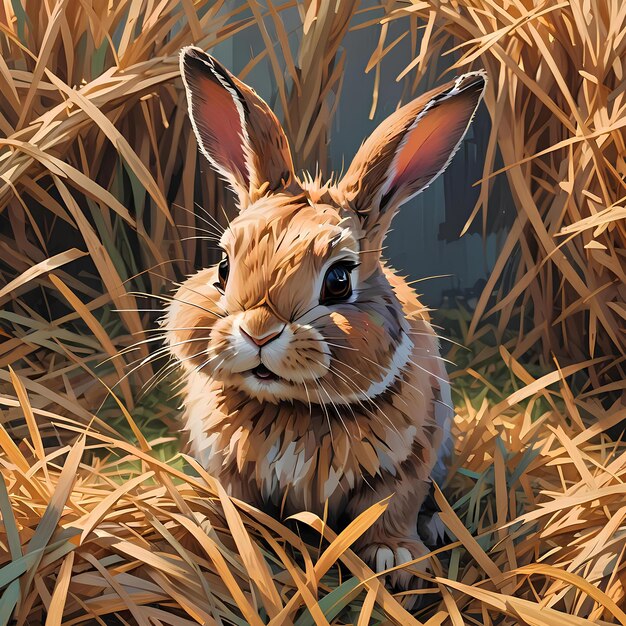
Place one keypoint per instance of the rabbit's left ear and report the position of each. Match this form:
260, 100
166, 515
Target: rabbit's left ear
408, 151
236, 130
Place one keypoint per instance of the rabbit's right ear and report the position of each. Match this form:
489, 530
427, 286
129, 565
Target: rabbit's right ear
236, 130
408, 151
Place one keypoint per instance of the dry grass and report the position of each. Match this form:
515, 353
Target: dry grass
557, 101
535, 506
98, 179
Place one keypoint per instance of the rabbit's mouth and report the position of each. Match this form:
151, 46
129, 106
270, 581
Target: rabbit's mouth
260, 372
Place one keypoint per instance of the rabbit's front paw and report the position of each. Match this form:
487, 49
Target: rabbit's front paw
383, 556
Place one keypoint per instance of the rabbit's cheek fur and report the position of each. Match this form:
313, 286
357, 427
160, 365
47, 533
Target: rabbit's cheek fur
360, 378
297, 356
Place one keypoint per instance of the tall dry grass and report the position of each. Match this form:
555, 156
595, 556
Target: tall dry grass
558, 109
98, 172
534, 510
103, 520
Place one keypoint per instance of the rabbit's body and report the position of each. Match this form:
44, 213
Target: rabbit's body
313, 379
291, 457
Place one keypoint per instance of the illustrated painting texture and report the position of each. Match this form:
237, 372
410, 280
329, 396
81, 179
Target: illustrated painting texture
312, 313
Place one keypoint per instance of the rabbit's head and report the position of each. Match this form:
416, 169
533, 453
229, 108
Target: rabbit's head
300, 307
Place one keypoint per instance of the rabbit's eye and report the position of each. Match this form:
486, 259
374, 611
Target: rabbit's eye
222, 272
337, 284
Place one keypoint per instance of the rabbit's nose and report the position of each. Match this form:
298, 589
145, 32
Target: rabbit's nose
261, 341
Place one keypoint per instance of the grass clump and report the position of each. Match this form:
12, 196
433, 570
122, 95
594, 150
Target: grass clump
104, 520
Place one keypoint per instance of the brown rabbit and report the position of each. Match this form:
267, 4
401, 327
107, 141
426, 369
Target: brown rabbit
312, 373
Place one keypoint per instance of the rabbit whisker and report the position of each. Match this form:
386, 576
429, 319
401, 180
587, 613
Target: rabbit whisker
201, 237
452, 341
134, 346
344, 425
171, 330
439, 378
165, 349
200, 217
369, 380
324, 410
174, 299
198, 229
370, 400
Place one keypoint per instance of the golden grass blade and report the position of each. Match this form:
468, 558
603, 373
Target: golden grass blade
251, 556
41, 268
528, 612
120, 143
207, 598
593, 592
102, 260
365, 615
99, 512
391, 606
222, 569
346, 537
305, 589
12, 451
62, 169
33, 429
542, 383
198, 615
54, 510
136, 611
98, 331
49, 38
456, 619
59, 595
456, 526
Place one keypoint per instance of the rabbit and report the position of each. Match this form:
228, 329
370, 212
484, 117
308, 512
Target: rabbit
312, 378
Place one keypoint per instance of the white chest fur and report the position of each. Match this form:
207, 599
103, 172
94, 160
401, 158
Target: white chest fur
289, 459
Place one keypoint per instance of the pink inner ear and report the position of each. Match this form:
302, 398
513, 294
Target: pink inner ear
220, 126
427, 148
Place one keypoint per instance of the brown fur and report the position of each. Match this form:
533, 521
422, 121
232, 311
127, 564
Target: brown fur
357, 412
